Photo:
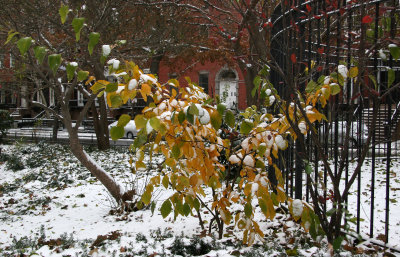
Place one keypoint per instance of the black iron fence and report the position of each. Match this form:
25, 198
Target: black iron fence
314, 38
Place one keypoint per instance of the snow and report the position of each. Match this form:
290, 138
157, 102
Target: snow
382, 55
280, 142
149, 128
268, 91
249, 161
392, 45
327, 79
82, 208
234, 159
297, 207
74, 64
245, 145
271, 99
343, 71
303, 127
114, 62
106, 50
146, 78
132, 84
205, 119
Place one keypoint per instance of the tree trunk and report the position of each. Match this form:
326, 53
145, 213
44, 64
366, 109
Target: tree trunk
100, 122
250, 74
55, 126
109, 183
103, 143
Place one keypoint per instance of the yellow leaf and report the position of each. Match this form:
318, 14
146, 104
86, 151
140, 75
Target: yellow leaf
89, 80
193, 180
170, 162
145, 90
136, 72
353, 72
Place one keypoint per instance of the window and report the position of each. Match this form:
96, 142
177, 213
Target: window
80, 99
13, 98
203, 81
1, 60
2, 97
11, 60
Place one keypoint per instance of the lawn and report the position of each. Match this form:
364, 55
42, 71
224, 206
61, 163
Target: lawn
51, 206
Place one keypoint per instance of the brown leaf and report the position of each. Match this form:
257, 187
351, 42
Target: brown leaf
95, 250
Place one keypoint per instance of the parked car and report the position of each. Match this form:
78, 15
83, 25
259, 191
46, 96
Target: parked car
130, 129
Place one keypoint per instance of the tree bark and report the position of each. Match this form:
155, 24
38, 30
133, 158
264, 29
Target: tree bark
100, 122
109, 183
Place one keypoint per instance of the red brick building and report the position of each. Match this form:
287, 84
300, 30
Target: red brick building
215, 78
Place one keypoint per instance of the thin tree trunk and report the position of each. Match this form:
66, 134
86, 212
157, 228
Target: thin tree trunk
100, 122
109, 183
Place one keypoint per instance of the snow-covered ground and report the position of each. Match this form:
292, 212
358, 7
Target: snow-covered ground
54, 207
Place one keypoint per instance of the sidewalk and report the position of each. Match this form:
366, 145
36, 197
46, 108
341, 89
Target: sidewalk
45, 133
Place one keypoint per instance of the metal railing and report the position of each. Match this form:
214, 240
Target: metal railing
330, 33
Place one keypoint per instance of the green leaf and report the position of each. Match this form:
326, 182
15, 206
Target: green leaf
186, 209
196, 204
63, 11
373, 79
155, 123
394, 51
190, 118
166, 208
153, 207
82, 75
116, 132
116, 101
248, 210
77, 24
146, 197
10, 36
54, 61
261, 149
23, 44
112, 87
335, 89
71, 71
337, 243
391, 77
230, 119
311, 86
216, 120
40, 52
330, 212
165, 181
308, 169
263, 206
221, 108
181, 117
176, 151
103, 59
193, 110
257, 84
260, 164
94, 38
140, 140
246, 127
123, 120
140, 121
